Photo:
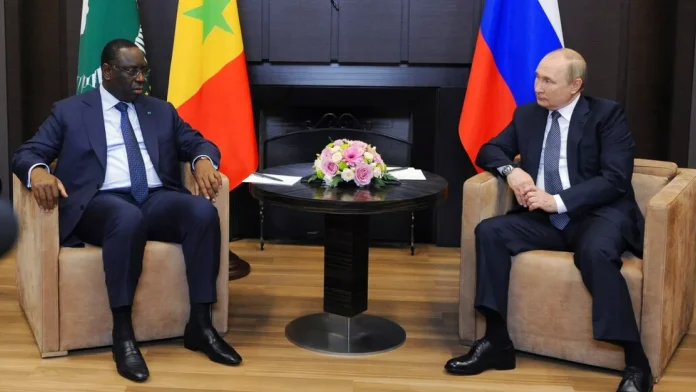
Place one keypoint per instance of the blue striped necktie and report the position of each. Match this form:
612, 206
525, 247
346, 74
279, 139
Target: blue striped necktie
136, 164
552, 178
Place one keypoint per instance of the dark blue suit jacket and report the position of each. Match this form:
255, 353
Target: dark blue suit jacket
600, 161
74, 133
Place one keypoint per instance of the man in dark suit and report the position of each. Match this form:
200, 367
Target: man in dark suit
573, 187
117, 183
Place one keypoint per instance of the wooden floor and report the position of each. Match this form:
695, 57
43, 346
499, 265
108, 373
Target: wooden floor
420, 292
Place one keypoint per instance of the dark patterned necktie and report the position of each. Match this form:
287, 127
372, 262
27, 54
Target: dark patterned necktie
136, 164
552, 178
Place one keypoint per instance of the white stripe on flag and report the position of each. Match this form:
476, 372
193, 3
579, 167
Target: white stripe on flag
551, 9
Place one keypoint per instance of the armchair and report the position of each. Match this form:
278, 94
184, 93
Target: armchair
63, 294
549, 308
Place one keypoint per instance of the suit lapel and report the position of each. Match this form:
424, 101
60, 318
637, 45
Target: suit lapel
93, 118
575, 132
148, 129
538, 128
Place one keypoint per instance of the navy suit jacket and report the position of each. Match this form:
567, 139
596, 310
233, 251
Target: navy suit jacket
600, 161
74, 133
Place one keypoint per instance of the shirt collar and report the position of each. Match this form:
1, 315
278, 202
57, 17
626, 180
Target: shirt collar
567, 111
108, 100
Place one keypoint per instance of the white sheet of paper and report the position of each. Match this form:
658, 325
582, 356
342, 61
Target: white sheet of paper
287, 180
408, 174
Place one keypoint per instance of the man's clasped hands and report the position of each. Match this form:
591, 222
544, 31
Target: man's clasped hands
528, 195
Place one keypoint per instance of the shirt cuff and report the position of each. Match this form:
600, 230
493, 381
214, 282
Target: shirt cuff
559, 203
48, 169
193, 163
500, 170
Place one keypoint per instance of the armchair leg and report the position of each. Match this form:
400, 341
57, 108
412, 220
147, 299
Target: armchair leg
413, 225
261, 243
54, 354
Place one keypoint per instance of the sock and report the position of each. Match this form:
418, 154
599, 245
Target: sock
635, 355
123, 326
496, 328
200, 314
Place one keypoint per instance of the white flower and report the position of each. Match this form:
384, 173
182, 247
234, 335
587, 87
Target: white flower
337, 156
335, 149
347, 174
377, 172
317, 163
368, 156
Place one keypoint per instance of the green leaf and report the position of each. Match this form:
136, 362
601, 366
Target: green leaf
313, 177
342, 165
335, 180
320, 174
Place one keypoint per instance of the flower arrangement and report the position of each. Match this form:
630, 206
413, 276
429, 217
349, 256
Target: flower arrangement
350, 161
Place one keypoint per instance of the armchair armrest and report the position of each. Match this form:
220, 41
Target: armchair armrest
669, 269
222, 203
37, 267
484, 196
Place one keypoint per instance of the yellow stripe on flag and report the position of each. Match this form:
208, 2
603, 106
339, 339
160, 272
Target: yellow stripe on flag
194, 60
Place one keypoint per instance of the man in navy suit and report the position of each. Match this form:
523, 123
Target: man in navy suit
117, 184
573, 187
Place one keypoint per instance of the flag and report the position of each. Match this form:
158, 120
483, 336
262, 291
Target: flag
513, 37
208, 82
103, 21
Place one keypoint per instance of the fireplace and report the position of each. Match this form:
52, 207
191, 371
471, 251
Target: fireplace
295, 123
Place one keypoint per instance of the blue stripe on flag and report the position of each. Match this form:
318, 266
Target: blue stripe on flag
519, 34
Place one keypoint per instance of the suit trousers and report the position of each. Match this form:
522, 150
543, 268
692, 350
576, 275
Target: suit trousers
121, 226
597, 245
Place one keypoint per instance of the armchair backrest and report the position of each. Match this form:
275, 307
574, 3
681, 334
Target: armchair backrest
649, 177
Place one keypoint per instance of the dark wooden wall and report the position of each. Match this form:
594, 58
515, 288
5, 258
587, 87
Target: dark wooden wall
640, 52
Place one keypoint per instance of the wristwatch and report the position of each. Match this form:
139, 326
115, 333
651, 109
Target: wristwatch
507, 170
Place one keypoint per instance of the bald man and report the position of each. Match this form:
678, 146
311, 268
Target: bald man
573, 187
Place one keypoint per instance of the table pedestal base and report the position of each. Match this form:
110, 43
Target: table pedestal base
333, 334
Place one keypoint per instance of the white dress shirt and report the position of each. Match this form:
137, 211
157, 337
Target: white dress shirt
566, 113
117, 174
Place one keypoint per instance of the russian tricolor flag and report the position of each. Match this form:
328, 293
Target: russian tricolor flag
513, 38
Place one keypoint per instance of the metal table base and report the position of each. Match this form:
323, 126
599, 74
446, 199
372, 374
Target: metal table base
334, 334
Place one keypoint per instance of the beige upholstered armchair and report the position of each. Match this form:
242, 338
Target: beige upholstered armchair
63, 293
549, 310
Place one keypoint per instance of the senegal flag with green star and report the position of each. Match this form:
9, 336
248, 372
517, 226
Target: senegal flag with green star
103, 21
208, 82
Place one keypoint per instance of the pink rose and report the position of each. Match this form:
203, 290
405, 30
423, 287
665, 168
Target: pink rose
352, 156
360, 145
378, 158
326, 154
329, 168
363, 175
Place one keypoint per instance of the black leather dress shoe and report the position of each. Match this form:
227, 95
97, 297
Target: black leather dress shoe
483, 356
636, 380
129, 362
208, 341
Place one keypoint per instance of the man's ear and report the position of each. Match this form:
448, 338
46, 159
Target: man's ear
576, 85
106, 72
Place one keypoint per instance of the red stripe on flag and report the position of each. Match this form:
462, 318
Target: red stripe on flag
488, 104
221, 111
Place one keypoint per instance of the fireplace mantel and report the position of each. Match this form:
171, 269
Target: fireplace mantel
335, 75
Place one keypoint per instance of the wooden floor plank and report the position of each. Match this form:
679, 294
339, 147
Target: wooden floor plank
420, 292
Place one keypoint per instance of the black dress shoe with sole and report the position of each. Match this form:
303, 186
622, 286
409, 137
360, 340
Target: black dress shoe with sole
483, 356
636, 380
210, 343
129, 361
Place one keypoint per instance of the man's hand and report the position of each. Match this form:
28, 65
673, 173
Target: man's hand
521, 183
46, 188
540, 200
208, 179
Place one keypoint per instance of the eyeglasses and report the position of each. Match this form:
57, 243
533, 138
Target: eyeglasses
134, 71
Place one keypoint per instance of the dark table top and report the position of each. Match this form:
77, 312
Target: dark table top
410, 195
